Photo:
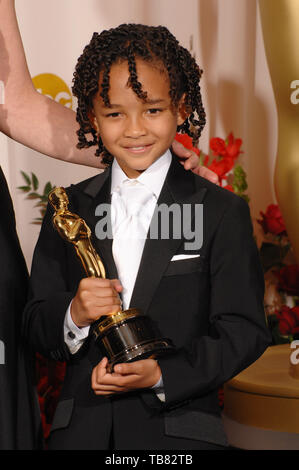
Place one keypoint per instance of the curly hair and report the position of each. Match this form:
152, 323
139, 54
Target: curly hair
126, 43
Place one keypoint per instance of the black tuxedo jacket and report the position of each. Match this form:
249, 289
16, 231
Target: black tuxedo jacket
211, 307
20, 426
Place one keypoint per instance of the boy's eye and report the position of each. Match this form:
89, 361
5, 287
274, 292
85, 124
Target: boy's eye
113, 115
154, 110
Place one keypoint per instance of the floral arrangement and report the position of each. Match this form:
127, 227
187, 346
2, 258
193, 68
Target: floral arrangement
222, 161
281, 278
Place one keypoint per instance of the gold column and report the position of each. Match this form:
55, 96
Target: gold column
280, 24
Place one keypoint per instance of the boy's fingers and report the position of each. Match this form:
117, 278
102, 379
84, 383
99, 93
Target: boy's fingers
125, 369
136, 367
106, 292
111, 383
117, 284
99, 371
110, 380
96, 283
108, 388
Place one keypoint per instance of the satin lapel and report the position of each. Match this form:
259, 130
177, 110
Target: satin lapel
180, 187
98, 191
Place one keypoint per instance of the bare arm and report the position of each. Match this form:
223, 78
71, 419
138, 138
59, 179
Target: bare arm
27, 116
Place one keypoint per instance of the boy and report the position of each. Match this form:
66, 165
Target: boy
135, 87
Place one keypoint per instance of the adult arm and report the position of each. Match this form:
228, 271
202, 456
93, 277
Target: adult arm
27, 116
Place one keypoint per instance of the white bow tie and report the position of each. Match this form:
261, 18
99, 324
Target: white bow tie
132, 208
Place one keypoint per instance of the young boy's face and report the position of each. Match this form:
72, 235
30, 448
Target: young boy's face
137, 133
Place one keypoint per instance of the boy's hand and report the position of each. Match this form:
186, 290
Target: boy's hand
126, 377
192, 162
95, 297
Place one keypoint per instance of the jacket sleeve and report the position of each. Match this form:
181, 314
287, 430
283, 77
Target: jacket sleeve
238, 332
49, 294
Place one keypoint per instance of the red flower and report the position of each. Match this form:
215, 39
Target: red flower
186, 141
218, 146
230, 150
226, 151
272, 221
233, 146
221, 167
288, 320
288, 278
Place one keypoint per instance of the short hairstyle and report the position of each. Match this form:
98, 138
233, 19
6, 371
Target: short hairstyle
153, 44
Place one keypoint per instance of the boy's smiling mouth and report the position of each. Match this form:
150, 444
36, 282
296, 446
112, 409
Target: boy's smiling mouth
138, 148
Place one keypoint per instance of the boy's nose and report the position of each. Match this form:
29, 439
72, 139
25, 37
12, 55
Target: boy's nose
135, 128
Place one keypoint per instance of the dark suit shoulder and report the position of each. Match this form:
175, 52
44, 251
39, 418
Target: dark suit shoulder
86, 190
216, 198
85, 185
220, 199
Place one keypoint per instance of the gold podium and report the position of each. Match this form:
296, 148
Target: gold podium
264, 397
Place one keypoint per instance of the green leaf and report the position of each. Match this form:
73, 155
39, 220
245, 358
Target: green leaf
26, 178
42, 199
35, 182
33, 195
48, 187
239, 182
26, 189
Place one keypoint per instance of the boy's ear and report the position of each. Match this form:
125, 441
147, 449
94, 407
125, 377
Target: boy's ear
93, 120
182, 113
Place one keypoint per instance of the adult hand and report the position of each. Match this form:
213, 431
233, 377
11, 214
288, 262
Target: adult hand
125, 377
192, 162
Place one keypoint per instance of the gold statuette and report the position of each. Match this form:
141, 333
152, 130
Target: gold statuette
127, 335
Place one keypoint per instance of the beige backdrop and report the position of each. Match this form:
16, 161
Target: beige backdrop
228, 44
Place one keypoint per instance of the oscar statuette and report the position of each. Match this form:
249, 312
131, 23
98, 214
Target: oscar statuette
127, 335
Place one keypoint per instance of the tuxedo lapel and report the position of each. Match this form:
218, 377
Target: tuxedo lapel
180, 187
